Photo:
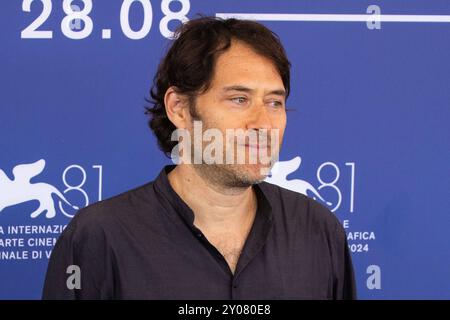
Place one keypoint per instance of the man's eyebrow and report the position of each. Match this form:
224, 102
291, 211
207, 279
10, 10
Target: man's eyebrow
237, 88
279, 92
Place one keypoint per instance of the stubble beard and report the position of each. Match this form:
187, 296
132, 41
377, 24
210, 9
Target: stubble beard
229, 176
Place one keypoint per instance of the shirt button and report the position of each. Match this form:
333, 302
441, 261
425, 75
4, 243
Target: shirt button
199, 235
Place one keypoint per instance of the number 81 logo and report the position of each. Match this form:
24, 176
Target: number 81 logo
79, 187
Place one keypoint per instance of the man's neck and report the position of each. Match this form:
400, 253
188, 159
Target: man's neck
215, 207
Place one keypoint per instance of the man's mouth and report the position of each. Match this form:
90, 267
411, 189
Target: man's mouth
256, 146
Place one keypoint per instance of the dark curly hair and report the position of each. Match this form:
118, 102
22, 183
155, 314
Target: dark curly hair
189, 64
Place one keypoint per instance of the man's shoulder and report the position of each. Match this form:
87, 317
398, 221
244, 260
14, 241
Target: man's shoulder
107, 212
296, 206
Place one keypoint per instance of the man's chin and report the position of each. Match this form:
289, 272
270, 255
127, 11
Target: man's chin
234, 175
251, 173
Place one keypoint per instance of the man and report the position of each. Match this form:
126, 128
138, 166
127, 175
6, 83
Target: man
209, 229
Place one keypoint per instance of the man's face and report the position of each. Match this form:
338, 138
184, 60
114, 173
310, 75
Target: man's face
246, 93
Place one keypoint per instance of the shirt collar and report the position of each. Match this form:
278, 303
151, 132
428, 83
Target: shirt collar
163, 187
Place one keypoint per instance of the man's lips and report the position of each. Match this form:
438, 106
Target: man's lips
255, 146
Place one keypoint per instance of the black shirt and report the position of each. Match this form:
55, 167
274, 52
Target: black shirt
143, 244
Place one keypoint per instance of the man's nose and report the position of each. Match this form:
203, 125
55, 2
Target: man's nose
259, 118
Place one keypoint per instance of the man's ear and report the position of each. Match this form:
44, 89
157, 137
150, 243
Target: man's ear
177, 108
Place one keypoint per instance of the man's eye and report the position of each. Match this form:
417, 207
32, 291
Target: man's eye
239, 100
276, 104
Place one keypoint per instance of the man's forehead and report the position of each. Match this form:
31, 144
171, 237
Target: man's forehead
241, 66
238, 50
